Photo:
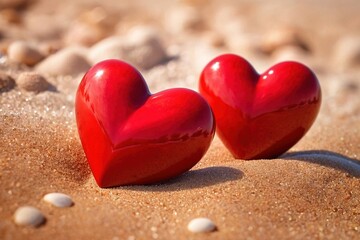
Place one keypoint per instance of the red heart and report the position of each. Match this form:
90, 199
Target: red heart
260, 116
132, 137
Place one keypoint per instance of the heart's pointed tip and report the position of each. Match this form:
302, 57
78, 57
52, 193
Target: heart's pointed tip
251, 157
104, 182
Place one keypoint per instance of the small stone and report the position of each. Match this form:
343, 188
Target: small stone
32, 82
201, 225
60, 200
6, 82
23, 52
281, 37
50, 47
69, 61
144, 48
28, 216
347, 53
140, 47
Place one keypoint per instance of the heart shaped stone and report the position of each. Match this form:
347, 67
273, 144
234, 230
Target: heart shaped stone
131, 136
260, 116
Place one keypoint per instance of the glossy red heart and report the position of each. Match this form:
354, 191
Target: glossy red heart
133, 137
260, 116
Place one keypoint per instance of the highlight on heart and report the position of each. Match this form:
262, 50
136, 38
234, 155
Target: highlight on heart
131, 136
173, 139
260, 115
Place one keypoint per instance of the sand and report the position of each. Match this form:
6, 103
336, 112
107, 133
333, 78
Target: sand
311, 192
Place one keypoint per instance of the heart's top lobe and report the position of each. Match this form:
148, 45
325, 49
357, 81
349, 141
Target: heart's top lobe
109, 84
221, 78
233, 81
117, 96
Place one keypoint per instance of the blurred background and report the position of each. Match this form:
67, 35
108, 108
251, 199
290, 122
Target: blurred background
47, 45
173, 40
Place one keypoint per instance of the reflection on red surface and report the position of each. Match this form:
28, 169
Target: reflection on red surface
133, 137
260, 116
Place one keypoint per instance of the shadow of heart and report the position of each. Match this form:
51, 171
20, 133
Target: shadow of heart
192, 179
327, 158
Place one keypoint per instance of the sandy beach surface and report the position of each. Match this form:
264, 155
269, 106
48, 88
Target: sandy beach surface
311, 192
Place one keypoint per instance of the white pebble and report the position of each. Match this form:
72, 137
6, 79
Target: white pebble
29, 216
23, 52
58, 199
201, 225
69, 61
